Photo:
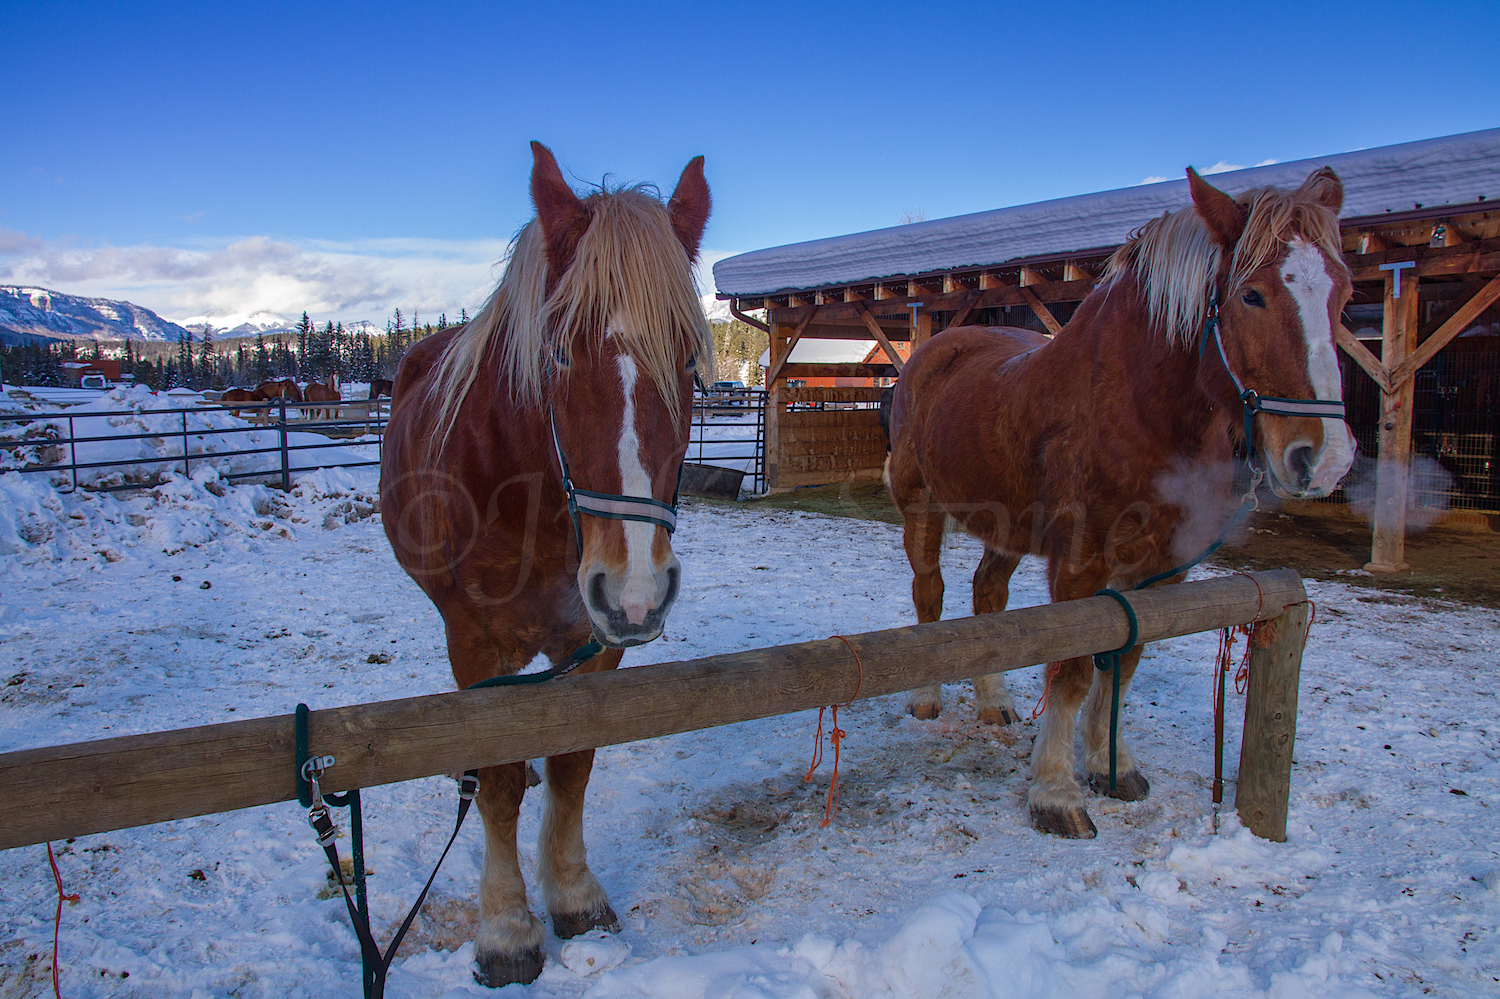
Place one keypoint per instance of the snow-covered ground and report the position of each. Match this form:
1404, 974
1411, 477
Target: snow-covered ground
193, 603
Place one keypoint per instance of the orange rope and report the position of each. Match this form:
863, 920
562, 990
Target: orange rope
836, 738
1041, 705
57, 920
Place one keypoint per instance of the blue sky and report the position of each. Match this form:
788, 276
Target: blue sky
217, 159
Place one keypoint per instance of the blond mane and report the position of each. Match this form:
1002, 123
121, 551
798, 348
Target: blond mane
629, 271
1176, 259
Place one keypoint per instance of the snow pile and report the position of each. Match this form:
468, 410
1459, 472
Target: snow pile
41, 524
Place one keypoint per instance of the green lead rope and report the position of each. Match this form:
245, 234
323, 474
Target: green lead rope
375, 964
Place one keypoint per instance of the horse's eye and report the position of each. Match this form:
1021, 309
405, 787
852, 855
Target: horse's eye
560, 357
692, 363
1252, 297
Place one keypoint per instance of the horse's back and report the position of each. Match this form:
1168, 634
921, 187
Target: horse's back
952, 365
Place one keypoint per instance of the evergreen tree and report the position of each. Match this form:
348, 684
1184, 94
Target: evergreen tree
304, 332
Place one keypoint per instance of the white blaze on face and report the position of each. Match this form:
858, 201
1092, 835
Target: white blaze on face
1305, 274
639, 593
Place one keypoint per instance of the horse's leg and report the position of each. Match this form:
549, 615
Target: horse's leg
575, 898
1055, 799
1130, 785
991, 592
923, 535
508, 943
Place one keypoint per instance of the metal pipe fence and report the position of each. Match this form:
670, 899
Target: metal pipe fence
366, 419
735, 418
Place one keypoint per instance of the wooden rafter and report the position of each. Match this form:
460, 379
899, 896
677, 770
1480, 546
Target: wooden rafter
1455, 325
775, 371
964, 309
1042, 312
885, 342
1362, 356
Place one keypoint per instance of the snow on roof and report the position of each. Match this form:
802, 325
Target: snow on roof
1456, 169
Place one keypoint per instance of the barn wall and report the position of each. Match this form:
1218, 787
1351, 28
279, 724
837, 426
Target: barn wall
826, 435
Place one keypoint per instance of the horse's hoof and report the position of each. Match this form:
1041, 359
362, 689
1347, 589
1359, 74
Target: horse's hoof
998, 716
924, 712
1069, 823
566, 926
495, 970
1130, 786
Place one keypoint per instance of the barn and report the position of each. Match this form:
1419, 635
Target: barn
1420, 342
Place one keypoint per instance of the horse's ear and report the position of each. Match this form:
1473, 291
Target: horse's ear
563, 217
1323, 187
689, 207
1221, 213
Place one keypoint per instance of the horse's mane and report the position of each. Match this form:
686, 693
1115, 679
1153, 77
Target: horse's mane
1176, 259
629, 268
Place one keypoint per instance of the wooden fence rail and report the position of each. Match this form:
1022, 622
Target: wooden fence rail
116, 783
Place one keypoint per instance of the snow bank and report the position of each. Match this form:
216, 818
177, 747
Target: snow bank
40, 524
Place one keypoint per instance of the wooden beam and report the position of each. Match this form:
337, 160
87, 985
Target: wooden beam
1030, 277
1042, 312
1444, 335
775, 371
1362, 356
843, 369
1264, 790
880, 337
1393, 467
1073, 272
989, 280
964, 309
1447, 234
91, 787
1370, 243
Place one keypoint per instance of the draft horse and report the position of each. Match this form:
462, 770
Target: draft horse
528, 485
1109, 449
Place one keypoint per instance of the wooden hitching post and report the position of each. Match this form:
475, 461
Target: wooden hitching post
1265, 781
1393, 470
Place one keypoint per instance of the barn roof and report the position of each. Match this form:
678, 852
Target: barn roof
1453, 170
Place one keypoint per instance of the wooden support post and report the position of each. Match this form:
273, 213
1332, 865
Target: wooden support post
921, 329
774, 372
1265, 783
781, 350
1393, 466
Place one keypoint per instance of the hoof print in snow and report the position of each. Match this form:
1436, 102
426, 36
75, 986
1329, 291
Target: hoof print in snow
378, 657
1131, 786
567, 926
1069, 823
176, 579
495, 970
205, 585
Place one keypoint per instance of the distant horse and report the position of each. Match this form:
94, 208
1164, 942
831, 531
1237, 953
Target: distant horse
325, 391
279, 388
239, 395
579, 373
380, 387
1110, 449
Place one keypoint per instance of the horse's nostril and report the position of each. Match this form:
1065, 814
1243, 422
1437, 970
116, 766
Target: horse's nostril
1299, 465
597, 599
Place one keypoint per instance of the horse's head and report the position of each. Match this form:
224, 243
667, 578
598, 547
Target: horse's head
1281, 287
626, 338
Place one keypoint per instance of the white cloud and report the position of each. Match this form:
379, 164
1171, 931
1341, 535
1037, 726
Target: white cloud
1153, 179
347, 281
1223, 166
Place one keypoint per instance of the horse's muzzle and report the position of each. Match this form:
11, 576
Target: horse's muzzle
633, 612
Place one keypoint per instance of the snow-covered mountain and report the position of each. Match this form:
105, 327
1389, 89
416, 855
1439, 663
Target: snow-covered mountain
28, 313
715, 310
239, 324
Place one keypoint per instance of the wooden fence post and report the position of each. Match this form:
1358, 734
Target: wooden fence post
1265, 783
1393, 467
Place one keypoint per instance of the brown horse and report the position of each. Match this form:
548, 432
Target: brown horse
326, 391
1110, 449
239, 395
379, 387
279, 388
573, 383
